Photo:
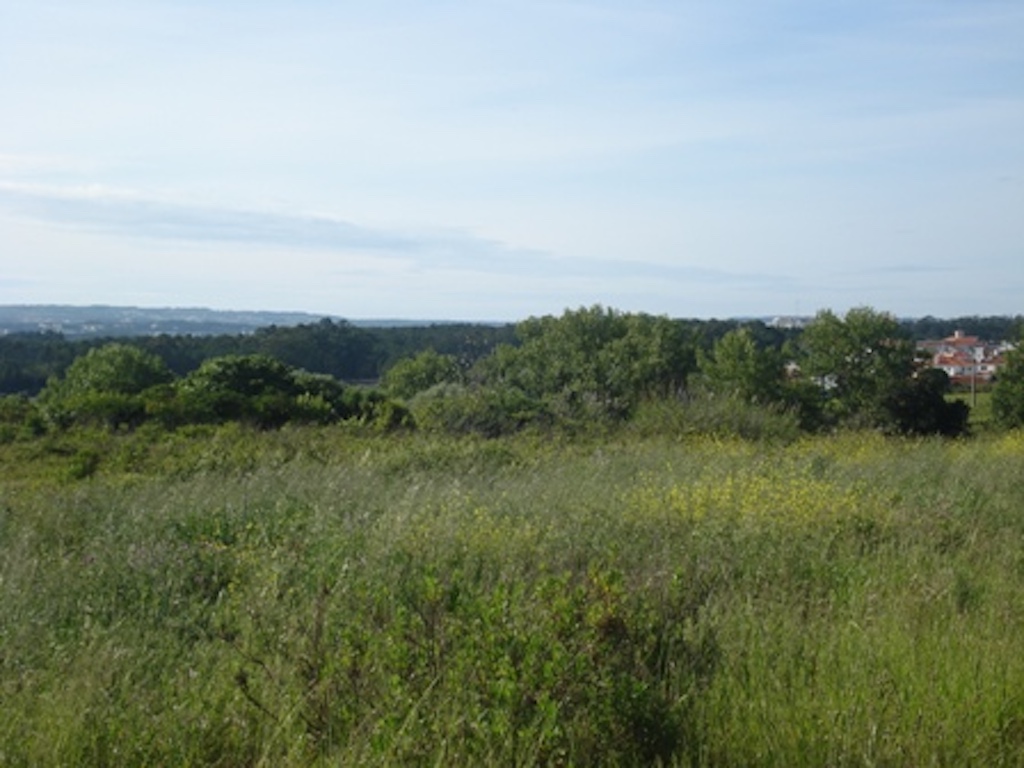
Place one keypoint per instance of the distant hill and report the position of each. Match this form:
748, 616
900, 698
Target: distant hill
105, 321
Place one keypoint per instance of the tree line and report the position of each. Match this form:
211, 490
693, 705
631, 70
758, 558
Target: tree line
592, 365
598, 365
333, 347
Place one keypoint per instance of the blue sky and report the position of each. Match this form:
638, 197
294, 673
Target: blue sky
492, 160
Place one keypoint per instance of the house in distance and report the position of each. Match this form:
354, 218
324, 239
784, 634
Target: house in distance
967, 360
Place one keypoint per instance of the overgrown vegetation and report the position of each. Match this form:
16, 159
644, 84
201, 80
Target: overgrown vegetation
325, 596
589, 366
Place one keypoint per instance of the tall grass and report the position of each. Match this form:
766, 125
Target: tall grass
321, 597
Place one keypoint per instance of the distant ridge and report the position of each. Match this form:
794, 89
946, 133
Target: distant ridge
104, 320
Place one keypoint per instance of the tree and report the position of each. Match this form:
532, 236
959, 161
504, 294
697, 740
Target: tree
416, 374
738, 368
116, 368
466, 342
857, 361
592, 361
105, 385
867, 372
29, 360
260, 390
19, 418
254, 388
919, 406
1008, 392
335, 347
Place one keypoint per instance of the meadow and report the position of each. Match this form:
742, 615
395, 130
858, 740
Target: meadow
326, 596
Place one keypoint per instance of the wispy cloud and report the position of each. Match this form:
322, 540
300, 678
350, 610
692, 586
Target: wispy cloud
102, 209
121, 213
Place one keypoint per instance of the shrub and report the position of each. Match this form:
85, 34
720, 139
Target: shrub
413, 375
705, 414
19, 419
104, 387
487, 411
258, 390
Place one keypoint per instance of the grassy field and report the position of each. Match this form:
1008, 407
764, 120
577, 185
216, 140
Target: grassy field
319, 597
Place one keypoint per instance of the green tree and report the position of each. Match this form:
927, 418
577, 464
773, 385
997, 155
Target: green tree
253, 388
105, 385
866, 368
738, 368
334, 347
260, 390
1008, 392
592, 361
857, 360
29, 360
417, 374
115, 368
321, 398
919, 406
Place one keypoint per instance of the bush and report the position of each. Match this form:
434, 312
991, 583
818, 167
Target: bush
19, 419
413, 375
258, 390
719, 416
104, 387
487, 411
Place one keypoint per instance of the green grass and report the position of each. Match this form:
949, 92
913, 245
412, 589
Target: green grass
981, 408
322, 597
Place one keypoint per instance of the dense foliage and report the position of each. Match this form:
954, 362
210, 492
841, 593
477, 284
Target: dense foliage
866, 367
321, 596
105, 385
121, 387
417, 374
737, 367
336, 348
593, 362
589, 366
1008, 394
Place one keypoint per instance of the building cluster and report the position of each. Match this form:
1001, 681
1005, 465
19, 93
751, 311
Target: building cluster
967, 360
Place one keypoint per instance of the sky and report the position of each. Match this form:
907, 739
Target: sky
493, 160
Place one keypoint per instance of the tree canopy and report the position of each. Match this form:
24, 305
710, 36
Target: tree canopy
591, 364
867, 370
106, 385
412, 375
1008, 394
593, 360
737, 367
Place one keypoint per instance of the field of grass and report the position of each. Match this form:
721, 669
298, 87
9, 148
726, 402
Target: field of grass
320, 597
